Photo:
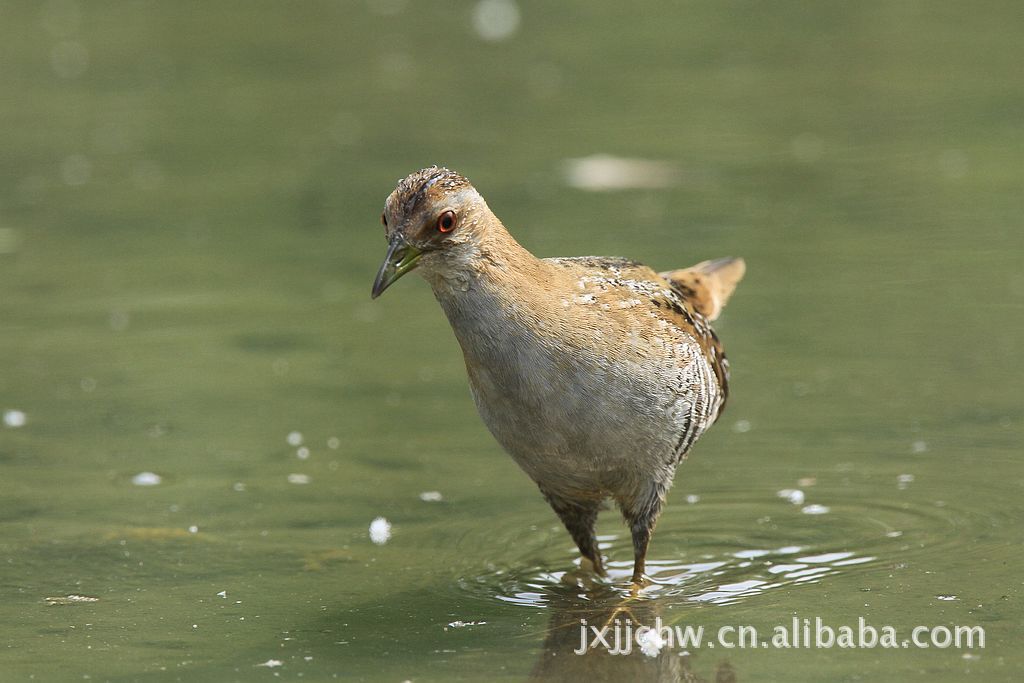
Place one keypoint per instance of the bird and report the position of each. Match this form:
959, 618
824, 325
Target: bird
596, 374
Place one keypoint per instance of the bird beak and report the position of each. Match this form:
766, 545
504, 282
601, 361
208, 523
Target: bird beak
400, 259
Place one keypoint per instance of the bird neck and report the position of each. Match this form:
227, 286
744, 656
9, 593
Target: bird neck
505, 263
491, 260
491, 287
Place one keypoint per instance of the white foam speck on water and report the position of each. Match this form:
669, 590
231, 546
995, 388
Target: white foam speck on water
294, 438
222, 594
193, 529
692, 498
919, 447
741, 426
794, 496
463, 624
946, 598
815, 509
147, 479
430, 496
70, 600
297, 478
605, 173
333, 443
380, 531
14, 418
904, 480
271, 663
650, 642
302, 453
496, 20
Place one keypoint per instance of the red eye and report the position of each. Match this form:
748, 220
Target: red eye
446, 221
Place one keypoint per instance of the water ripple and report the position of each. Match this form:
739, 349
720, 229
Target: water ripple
724, 550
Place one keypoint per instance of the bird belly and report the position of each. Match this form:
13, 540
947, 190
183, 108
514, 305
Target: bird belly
590, 409
585, 427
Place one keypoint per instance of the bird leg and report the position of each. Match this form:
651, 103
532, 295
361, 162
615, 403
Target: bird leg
579, 518
641, 538
641, 514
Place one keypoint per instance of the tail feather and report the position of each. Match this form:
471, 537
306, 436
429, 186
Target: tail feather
709, 284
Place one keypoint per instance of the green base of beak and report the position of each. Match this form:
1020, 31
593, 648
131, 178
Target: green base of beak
400, 259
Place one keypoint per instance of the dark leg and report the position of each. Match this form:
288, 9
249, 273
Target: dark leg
641, 514
579, 518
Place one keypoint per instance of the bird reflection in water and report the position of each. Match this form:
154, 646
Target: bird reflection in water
599, 636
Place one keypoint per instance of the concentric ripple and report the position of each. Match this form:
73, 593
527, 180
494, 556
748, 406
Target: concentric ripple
728, 547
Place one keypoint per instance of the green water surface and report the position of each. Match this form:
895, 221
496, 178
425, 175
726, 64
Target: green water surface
189, 201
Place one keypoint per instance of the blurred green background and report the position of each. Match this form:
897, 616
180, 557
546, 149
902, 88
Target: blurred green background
189, 202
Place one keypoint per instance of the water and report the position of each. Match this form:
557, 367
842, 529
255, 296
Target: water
188, 234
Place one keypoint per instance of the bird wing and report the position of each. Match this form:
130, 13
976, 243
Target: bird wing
691, 295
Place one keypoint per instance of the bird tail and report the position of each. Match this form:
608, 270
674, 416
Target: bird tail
709, 284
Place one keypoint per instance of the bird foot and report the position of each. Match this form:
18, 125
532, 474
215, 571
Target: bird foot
639, 582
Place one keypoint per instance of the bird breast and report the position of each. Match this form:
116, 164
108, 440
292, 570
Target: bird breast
575, 393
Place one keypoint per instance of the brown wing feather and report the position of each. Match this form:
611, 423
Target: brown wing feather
695, 296
704, 289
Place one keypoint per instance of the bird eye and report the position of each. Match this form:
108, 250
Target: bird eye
446, 221
384, 219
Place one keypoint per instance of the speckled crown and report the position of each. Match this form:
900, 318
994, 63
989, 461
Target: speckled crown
415, 186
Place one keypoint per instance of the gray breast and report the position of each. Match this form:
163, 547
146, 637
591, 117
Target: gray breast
568, 414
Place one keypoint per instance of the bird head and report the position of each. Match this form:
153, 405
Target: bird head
434, 220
